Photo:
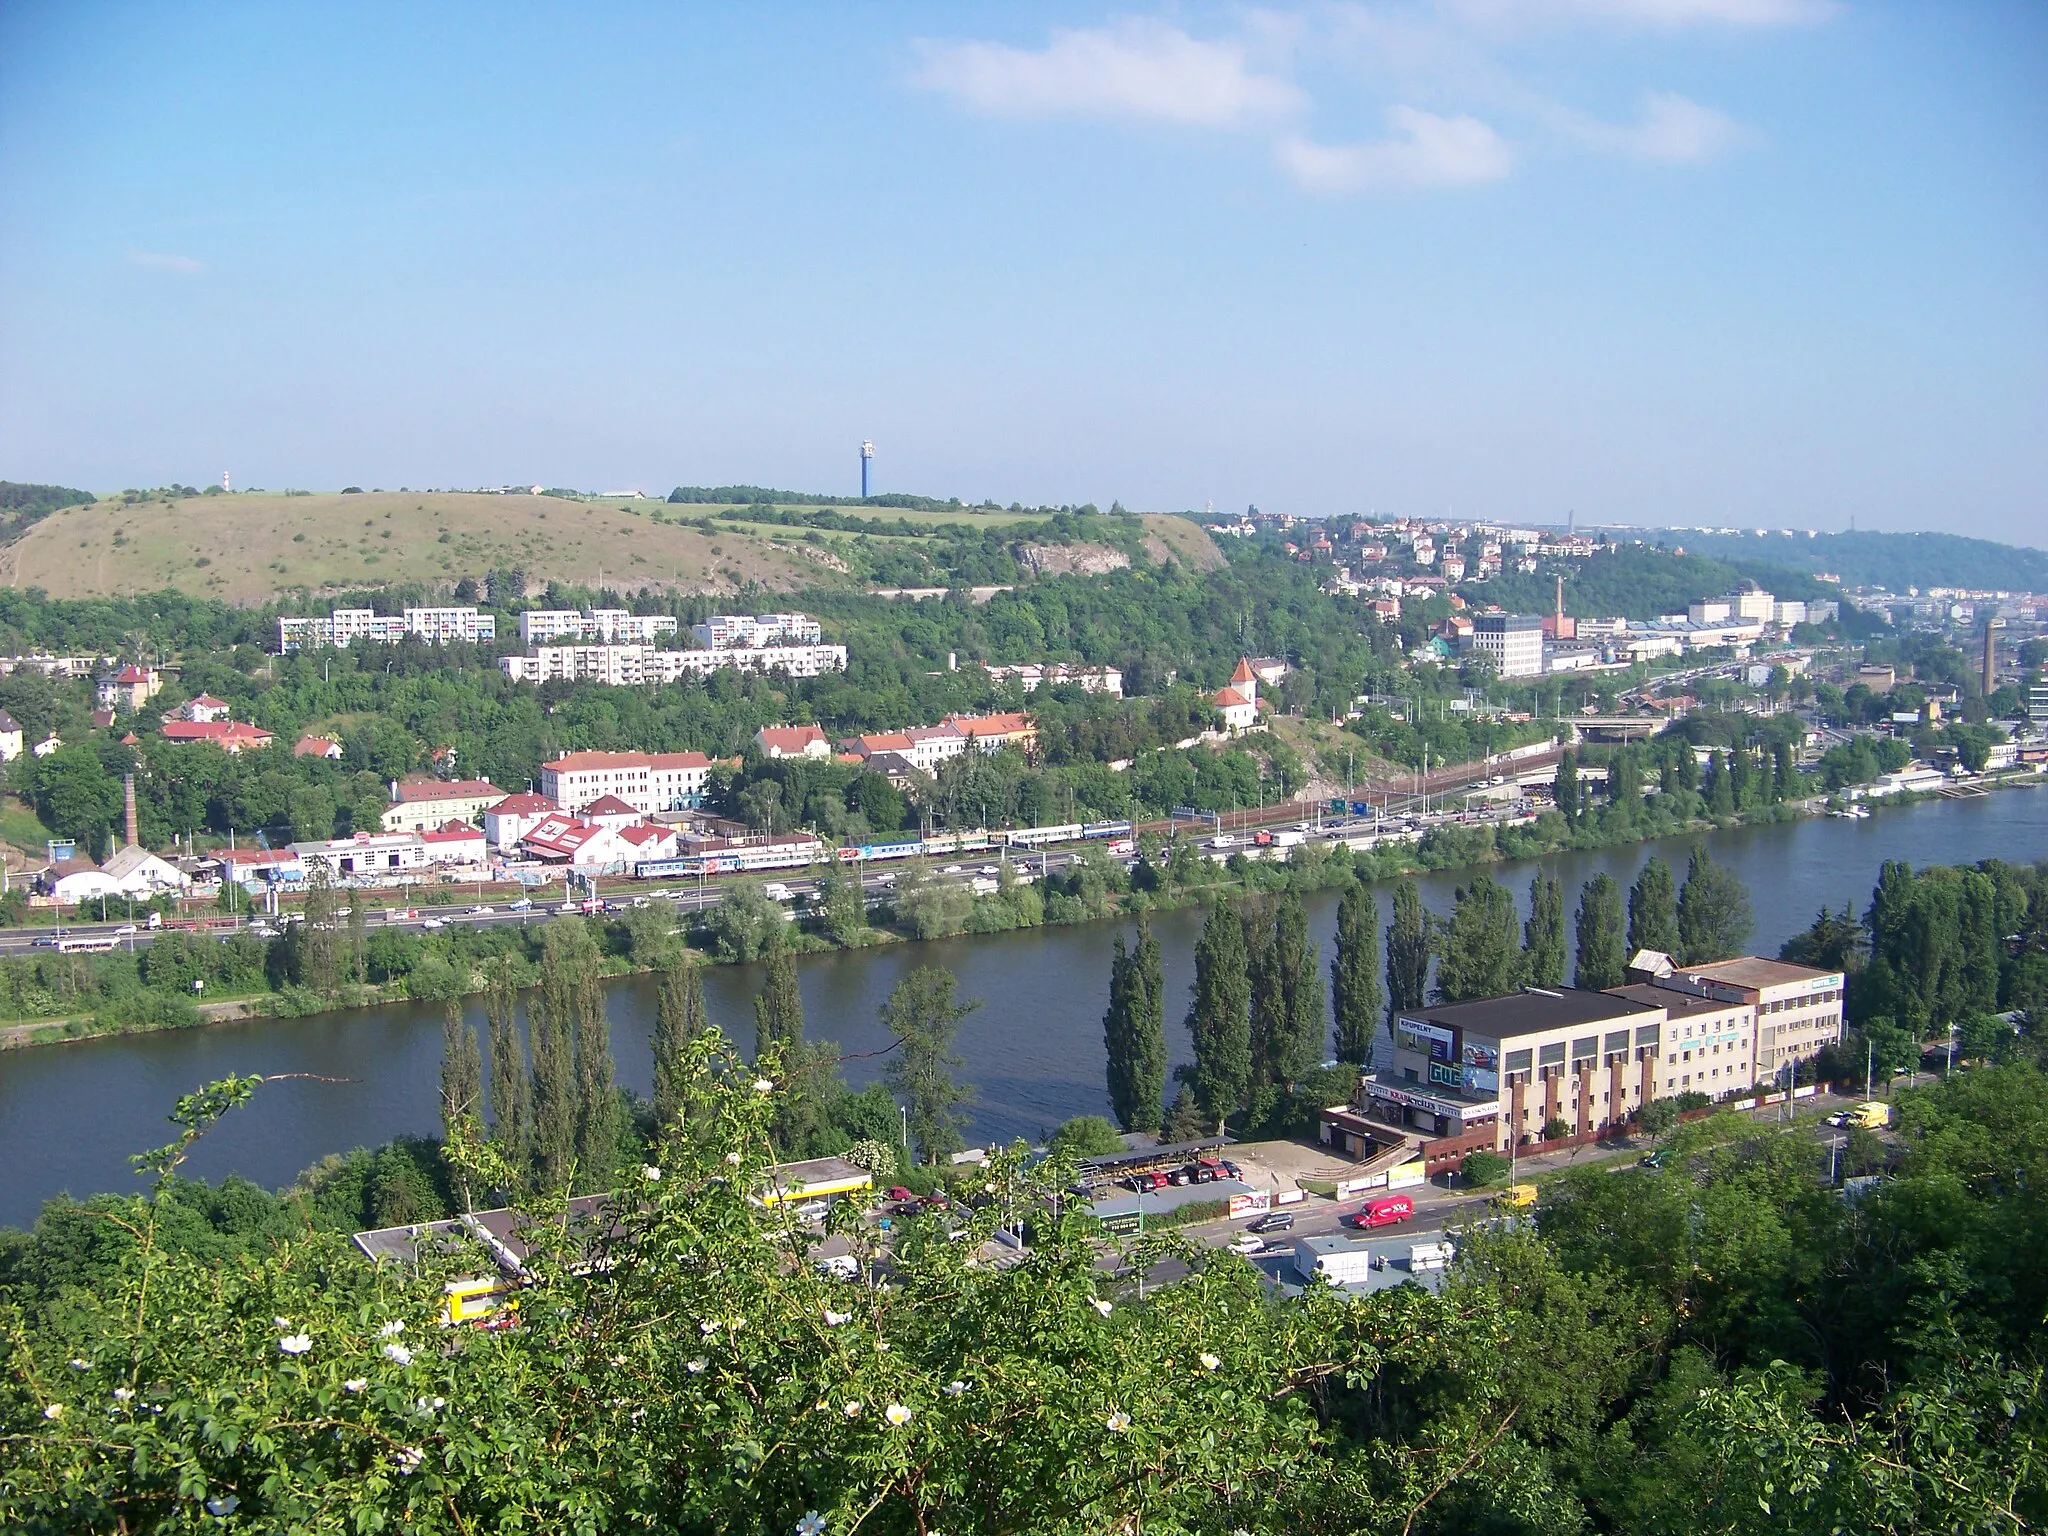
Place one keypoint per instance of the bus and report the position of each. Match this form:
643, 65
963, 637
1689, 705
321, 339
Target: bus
1039, 837
73, 943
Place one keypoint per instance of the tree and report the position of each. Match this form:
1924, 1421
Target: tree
1086, 1136
1602, 962
923, 1018
1134, 1035
744, 922
1565, 788
1543, 933
551, 1144
597, 1098
319, 953
462, 1085
678, 1019
1355, 974
1481, 957
74, 795
1653, 910
1411, 945
1295, 1046
1220, 1019
1657, 1117
1835, 941
779, 1007
1479, 1169
511, 1089
1714, 917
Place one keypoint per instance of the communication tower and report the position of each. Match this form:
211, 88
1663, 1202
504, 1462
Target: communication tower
867, 458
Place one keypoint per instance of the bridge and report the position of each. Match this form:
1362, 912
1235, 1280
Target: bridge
1615, 727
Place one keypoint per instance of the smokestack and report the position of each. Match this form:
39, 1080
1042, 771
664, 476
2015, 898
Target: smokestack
1990, 658
128, 805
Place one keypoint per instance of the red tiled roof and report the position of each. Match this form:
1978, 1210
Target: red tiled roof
220, 732
1243, 674
1230, 698
523, 805
1012, 723
883, 741
454, 832
573, 762
207, 701
418, 789
789, 738
607, 805
312, 746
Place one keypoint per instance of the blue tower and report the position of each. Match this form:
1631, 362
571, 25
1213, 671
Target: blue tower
867, 458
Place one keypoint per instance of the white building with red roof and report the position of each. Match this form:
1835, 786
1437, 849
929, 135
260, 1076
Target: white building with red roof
1238, 702
231, 736
129, 688
992, 733
420, 801
792, 741
203, 709
515, 816
646, 781
316, 746
650, 840
455, 842
581, 845
610, 811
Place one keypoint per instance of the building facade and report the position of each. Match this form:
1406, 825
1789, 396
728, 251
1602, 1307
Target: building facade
344, 626
419, 803
1513, 642
607, 626
738, 631
632, 665
647, 781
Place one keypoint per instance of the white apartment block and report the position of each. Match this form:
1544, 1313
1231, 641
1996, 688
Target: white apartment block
647, 781
607, 626
345, 625
1512, 641
1055, 674
737, 631
631, 665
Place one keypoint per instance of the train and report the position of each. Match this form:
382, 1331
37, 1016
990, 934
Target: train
744, 859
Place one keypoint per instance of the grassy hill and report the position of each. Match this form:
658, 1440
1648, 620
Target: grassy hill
248, 548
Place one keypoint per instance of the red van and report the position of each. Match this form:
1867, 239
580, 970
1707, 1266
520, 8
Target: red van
1382, 1211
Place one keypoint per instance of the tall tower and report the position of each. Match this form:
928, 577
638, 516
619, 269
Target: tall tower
1991, 626
867, 458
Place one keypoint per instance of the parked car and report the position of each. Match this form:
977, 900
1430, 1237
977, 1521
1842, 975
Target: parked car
1275, 1221
839, 1266
1652, 1159
1381, 1211
1230, 1169
812, 1210
897, 1192
907, 1208
1519, 1197
1247, 1243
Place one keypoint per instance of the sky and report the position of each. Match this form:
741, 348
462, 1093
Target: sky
1761, 262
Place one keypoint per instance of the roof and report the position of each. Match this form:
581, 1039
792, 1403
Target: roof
1679, 1005
947, 732
127, 860
789, 738
1243, 674
418, 788
218, 731
1532, 1011
884, 741
207, 701
1751, 971
1653, 962
73, 866
313, 746
8, 722
1230, 698
130, 674
575, 762
454, 832
645, 833
524, 804
1010, 723
609, 805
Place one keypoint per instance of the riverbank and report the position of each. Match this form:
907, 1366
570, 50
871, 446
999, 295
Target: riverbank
1449, 848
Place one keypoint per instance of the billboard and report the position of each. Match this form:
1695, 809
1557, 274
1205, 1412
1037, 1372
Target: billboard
1404, 1175
1255, 1202
1482, 1066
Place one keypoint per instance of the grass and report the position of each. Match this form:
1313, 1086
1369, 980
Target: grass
20, 826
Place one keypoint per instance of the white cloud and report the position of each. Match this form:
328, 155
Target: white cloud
1668, 15
1141, 69
184, 265
1674, 130
1423, 150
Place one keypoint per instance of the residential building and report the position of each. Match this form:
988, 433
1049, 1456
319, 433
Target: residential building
581, 845
606, 626
1238, 701
737, 631
1877, 677
632, 665
130, 687
456, 843
10, 737
419, 802
74, 880
316, 746
1030, 676
923, 747
231, 736
346, 625
515, 816
792, 741
1513, 642
992, 733
647, 781
203, 710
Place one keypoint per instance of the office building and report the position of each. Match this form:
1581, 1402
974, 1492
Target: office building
1513, 642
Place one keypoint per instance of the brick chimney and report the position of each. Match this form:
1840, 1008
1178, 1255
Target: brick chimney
128, 806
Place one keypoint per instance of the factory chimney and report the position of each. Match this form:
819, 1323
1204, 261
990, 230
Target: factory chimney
1991, 626
128, 806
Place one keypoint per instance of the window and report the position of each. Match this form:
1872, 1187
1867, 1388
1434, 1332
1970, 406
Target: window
1617, 1040
1552, 1055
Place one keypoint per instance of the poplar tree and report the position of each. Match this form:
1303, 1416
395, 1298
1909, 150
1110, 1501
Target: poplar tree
1134, 1035
1355, 974
1565, 789
779, 1008
511, 1090
678, 1019
1296, 1045
358, 940
1481, 957
923, 1018
1653, 910
1220, 1020
1714, 916
1268, 993
551, 1143
1601, 962
462, 1089
1411, 945
1543, 933
319, 969
597, 1095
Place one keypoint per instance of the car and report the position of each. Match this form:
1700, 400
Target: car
125, 930
1230, 1169
812, 1210
1382, 1211
520, 904
43, 941
1155, 1179
1651, 1159
1247, 1243
257, 929
897, 1192
612, 906
1185, 1174
433, 922
937, 1202
839, 1266
953, 869
480, 911
907, 1208
1274, 1221
990, 869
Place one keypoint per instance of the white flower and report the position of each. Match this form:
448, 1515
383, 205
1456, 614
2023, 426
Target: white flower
355, 1384
955, 1388
407, 1459
812, 1524
398, 1354
54, 1411
427, 1405
223, 1505
708, 1327
834, 1319
81, 1365
1105, 1308
650, 1173
392, 1329
763, 1085
123, 1394
852, 1408
1209, 1362
737, 1324
617, 1361
1119, 1421
733, 1158
698, 1366
896, 1414
282, 1322
295, 1343
882, 1345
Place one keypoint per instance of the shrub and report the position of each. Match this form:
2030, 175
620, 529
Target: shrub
1483, 1168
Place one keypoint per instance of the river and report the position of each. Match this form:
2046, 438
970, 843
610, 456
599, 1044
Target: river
71, 1114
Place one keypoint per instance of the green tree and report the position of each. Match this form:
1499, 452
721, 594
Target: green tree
1355, 974
511, 1088
744, 923
1134, 1034
1543, 933
1565, 788
1220, 1020
923, 1019
462, 1085
779, 1006
1295, 1046
1601, 961
551, 1029
1714, 917
1481, 956
678, 1020
1086, 1136
75, 796
1411, 945
1653, 910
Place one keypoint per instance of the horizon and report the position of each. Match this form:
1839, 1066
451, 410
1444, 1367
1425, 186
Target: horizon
1661, 264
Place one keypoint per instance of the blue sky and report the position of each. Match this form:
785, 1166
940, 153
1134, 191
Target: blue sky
1753, 261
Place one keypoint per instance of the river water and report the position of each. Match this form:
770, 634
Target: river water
71, 1114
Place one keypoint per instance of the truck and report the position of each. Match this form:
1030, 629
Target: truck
1516, 1197
1381, 1211
1423, 1256
1291, 838
1870, 1115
